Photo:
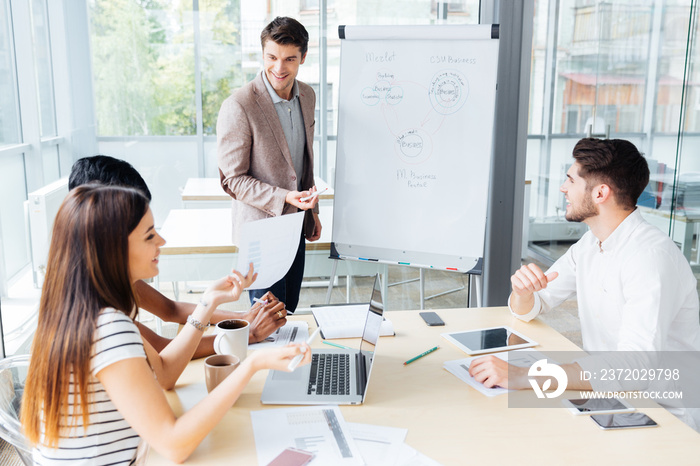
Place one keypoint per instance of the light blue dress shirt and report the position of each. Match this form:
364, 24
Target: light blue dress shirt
289, 113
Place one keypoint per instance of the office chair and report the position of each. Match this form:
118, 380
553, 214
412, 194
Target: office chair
13, 372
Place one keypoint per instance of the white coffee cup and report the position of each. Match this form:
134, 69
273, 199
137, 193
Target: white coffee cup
232, 338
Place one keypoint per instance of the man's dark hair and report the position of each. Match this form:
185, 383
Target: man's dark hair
614, 162
284, 30
108, 171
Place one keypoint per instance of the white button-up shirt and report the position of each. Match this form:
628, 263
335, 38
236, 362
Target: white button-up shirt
635, 291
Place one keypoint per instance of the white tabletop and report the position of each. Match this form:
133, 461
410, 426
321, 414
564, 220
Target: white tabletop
446, 419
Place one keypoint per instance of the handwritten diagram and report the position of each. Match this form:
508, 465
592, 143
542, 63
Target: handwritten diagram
448, 92
412, 131
416, 109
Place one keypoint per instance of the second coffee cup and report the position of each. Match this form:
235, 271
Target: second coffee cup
232, 338
217, 368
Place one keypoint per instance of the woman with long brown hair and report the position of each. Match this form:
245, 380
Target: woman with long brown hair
91, 394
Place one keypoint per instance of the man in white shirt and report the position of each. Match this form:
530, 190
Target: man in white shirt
635, 290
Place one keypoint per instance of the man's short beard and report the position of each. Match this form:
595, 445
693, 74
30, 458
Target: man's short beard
587, 210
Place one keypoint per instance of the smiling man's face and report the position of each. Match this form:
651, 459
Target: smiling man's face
281, 64
579, 205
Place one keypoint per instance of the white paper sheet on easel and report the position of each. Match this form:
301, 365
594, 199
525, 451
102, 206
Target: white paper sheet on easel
271, 245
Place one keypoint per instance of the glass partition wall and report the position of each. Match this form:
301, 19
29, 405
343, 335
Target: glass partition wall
617, 69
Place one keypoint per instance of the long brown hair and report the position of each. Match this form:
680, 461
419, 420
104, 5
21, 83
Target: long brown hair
87, 270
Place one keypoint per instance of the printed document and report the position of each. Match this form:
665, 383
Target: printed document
321, 430
522, 358
271, 245
379, 445
291, 332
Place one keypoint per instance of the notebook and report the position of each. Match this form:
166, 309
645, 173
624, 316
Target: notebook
345, 321
334, 376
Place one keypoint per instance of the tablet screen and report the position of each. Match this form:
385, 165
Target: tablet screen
487, 339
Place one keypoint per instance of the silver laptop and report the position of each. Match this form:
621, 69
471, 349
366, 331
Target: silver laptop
334, 376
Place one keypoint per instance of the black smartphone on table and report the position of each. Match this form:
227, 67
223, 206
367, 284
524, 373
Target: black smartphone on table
623, 421
432, 319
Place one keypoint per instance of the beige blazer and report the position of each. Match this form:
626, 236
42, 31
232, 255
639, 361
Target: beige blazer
255, 165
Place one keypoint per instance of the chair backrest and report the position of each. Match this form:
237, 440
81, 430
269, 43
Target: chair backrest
13, 372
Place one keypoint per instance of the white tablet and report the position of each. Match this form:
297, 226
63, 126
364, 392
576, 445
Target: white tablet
489, 340
597, 406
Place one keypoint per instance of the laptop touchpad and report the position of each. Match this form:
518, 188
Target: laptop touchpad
281, 375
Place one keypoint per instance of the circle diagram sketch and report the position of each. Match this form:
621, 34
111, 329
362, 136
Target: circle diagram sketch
448, 91
413, 132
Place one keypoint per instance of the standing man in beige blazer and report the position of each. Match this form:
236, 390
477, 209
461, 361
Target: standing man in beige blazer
265, 137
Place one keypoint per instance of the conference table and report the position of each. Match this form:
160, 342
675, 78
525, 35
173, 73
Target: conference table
447, 420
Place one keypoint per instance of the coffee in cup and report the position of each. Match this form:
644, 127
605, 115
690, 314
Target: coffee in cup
232, 338
217, 368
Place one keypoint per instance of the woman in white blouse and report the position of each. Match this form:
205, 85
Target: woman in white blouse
92, 393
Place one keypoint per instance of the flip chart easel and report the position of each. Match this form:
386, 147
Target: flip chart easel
415, 136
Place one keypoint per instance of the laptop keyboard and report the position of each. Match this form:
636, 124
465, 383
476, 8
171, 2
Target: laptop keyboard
329, 374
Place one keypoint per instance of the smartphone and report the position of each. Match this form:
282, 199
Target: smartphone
623, 421
597, 406
292, 457
432, 319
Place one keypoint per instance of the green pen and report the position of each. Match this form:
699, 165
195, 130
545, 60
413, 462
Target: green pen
336, 345
421, 355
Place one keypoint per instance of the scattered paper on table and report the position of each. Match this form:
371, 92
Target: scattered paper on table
460, 368
271, 244
378, 445
409, 456
291, 332
318, 429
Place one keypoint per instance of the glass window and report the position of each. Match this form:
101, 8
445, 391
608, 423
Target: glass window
221, 57
13, 192
602, 61
44, 70
538, 68
676, 18
49, 158
308, 5
619, 66
9, 112
462, 6
143, 67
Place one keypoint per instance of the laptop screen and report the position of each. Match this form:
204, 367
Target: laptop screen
375, 316
365, 356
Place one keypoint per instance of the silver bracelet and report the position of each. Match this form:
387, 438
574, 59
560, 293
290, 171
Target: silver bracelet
197, 324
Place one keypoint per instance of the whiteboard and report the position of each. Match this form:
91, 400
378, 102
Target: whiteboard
415, 131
